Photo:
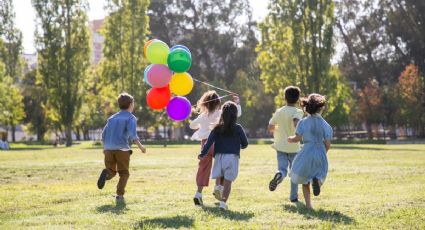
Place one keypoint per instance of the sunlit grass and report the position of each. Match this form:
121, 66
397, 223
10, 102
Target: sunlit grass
368, 186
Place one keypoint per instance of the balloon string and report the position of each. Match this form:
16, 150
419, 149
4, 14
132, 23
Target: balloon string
215, 87
227, 95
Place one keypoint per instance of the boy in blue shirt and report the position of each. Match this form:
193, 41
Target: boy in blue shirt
117, 136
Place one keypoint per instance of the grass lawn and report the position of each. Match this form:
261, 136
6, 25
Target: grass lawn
368, 187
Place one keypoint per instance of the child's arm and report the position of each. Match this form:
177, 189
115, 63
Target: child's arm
132, 127
327, 145
196, 124
141, 147
294, 139
103, 132
237, 101
207, 146
243, 138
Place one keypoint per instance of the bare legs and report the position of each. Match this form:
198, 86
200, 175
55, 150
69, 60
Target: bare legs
219, 181
200, 189
226, 191
306, 192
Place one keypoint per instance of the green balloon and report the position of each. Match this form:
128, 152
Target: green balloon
179, 60
157, 52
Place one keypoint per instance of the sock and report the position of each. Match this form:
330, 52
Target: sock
198, 194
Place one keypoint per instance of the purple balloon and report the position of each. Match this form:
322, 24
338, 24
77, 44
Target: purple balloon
179, 108
159, 76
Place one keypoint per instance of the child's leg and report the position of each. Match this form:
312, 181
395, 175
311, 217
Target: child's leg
282, 170
226, 191
294, 187
123, 163
204, 170
110, 164
306, 192
219, 181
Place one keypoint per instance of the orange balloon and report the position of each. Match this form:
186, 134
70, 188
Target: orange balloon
145, 47
158, 98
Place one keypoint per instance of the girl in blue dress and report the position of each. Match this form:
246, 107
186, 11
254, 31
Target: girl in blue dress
311, 164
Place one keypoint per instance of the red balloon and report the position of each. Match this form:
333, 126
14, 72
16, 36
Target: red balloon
158, 98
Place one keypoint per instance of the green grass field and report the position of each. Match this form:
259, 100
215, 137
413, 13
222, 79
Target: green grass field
368, 187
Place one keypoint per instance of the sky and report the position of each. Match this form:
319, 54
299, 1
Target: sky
25, 16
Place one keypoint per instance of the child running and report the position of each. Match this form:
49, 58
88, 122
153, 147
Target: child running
117, 136
228, 138
283, 124
311, 163
210, 112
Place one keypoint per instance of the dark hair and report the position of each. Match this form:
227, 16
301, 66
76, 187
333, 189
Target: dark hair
313, 103
209, 102
125, 100
228, 119
292, 94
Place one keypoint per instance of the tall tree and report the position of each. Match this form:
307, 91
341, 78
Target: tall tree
221, 37
297, 47
411, 88
10, 55
35, 98
125, 33
62, 40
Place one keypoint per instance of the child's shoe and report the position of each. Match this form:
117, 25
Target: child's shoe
223, 206
294, 200
102, 179
119, 198
198, 199
316, 186
275, 181
218, 192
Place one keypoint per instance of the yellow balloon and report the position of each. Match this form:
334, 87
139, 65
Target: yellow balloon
181, 84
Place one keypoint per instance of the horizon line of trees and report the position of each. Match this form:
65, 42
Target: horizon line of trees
383, 57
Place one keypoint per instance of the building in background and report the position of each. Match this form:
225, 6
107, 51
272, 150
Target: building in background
97, 40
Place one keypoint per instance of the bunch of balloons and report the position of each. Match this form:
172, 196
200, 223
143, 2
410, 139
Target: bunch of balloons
167, 75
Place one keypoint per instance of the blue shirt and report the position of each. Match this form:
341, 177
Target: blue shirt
120, 131
226, 144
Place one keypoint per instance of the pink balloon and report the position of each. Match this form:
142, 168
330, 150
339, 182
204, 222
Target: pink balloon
159, 76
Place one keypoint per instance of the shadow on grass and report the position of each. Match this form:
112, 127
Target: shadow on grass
118, 208
228, 214
333, 216
165, 222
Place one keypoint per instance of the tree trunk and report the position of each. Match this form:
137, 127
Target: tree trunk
40, 134
68, 135
86, 136
77, 134
13, 130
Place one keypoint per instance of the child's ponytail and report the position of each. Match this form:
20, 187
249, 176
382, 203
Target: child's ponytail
313, 103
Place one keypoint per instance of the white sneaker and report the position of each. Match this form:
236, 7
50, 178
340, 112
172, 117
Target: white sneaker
218, 192
198, 199
223, 206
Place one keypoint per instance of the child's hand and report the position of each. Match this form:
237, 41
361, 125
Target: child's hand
291, 139
143, 149
236, 99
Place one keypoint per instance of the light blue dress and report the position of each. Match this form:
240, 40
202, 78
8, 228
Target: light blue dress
311, 161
